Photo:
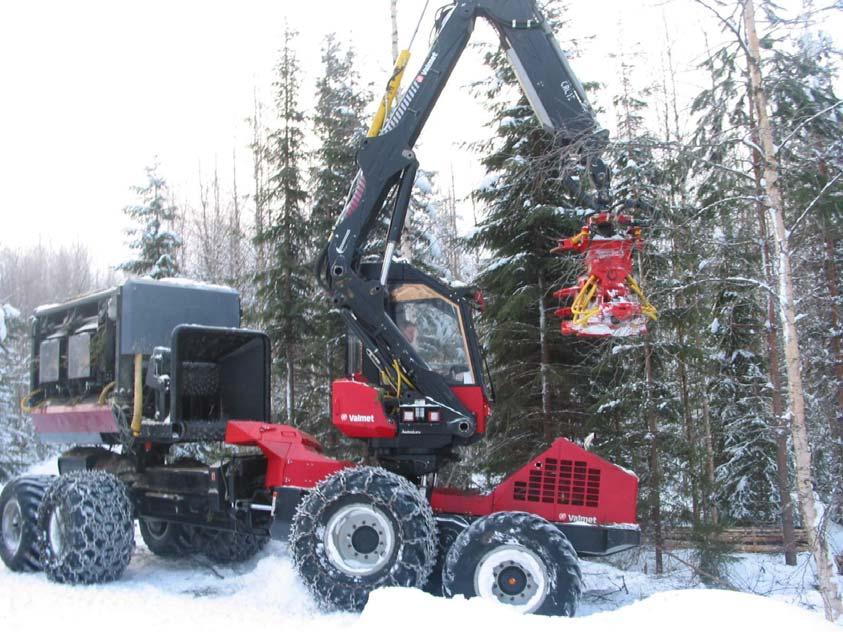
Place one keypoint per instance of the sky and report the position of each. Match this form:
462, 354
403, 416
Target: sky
91, 92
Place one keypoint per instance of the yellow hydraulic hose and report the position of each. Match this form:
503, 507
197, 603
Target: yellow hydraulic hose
137, 412
392, 87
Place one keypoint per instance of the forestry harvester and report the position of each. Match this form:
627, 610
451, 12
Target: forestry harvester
128, 374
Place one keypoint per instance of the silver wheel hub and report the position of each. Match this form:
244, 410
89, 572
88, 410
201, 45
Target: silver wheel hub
56, 532
12, 524
513, 575
359, 539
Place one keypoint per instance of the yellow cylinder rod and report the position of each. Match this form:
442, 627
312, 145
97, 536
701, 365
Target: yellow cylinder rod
392, 87
105, 392
137, 411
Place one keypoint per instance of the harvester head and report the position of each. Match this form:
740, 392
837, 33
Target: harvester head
607, 300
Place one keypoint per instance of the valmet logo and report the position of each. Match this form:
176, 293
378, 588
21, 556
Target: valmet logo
357, 419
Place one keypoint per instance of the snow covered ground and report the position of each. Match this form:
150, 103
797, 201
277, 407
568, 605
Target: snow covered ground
160, 595
157, 594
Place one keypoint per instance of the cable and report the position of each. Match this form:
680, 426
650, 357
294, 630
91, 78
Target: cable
418, 24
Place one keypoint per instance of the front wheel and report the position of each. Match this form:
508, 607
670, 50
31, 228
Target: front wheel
518, 559
362, 528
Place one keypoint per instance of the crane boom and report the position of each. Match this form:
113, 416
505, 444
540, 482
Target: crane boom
383, 184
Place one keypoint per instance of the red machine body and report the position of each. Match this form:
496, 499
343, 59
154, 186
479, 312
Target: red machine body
564, 484
358, 411
476, 401
294, 458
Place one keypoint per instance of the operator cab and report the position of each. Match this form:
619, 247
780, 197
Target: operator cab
406, 430
436, 319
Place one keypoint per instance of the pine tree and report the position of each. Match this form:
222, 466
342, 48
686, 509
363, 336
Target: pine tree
738, 401
285, 286
774, 204
152, 238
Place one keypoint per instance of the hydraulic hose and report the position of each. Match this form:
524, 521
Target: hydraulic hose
137, 411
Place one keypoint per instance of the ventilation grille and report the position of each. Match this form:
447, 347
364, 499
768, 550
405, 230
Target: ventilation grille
563, 482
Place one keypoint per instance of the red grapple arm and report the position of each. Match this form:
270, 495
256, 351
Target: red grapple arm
577, 243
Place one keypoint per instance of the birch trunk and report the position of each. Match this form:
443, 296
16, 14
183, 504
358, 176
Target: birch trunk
777, 401
393, 13
787, 314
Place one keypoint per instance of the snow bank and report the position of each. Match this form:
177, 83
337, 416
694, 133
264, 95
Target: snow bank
162, 595
688, 610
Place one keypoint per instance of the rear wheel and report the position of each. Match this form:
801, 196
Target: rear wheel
167, 539
361, 529
19, 503
519, 559
85, 528
228, 547
448, 529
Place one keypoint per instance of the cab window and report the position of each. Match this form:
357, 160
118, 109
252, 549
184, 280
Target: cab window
432, 325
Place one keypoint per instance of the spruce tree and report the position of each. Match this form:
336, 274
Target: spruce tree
541, 387
427, 229
20, 445
285, 285
339, 126
801, 81
732, 282
152, 238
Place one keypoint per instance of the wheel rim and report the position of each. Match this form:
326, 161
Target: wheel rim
513, 575
56, 532
12, 526
359, 539
156, 528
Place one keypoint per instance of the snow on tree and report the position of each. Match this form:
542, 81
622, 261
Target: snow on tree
152, 238
17, 436
427, 229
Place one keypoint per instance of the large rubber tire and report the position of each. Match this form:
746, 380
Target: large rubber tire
19, 503
448, 529
85, 528
167, 539
228, 547
361, 529
518, 558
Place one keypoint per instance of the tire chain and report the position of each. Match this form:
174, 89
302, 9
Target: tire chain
98, 530
413, 515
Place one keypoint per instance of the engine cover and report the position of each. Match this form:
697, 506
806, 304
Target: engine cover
358, 412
